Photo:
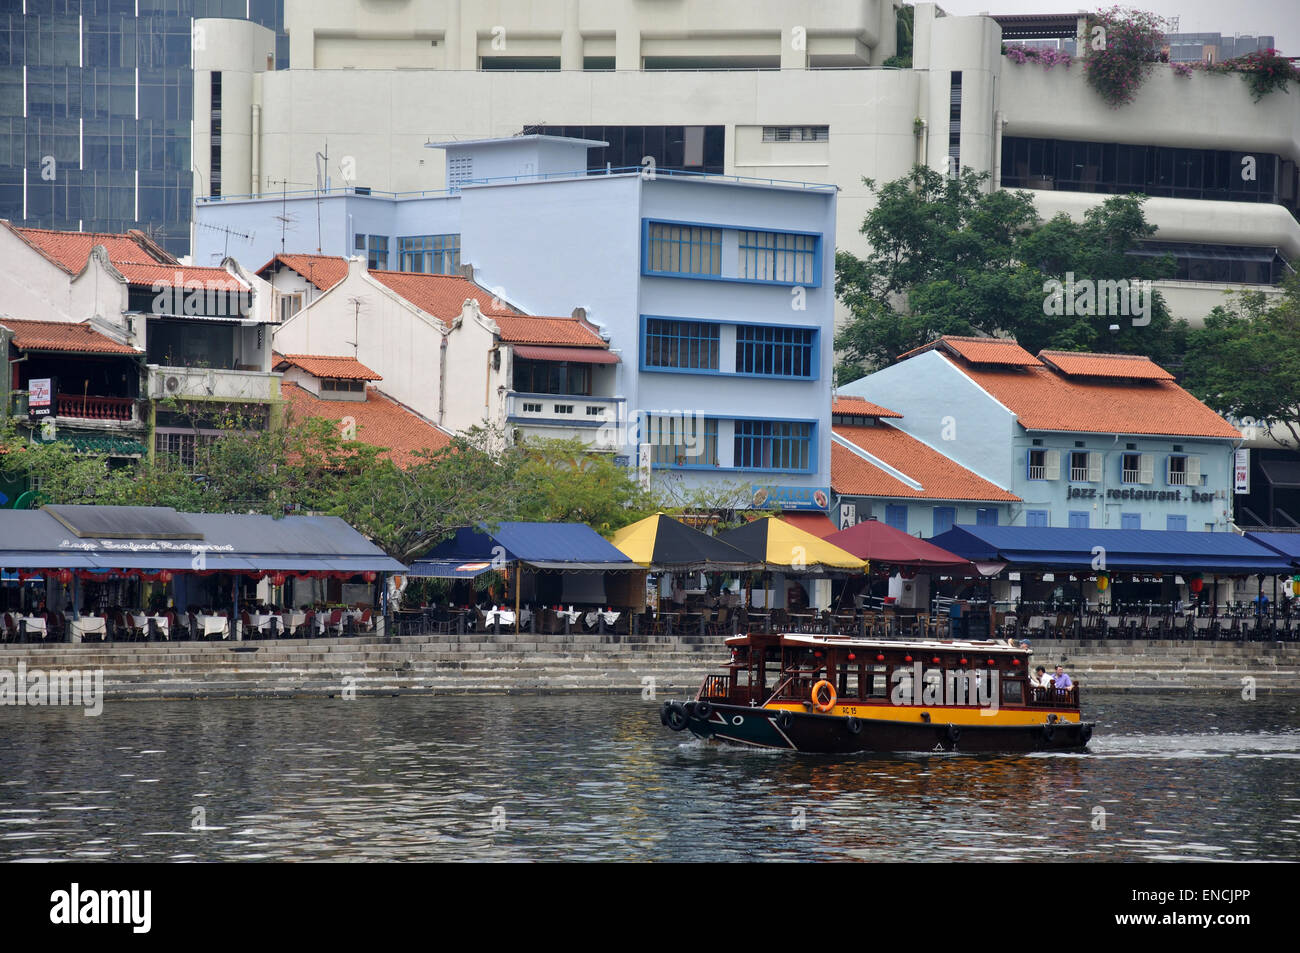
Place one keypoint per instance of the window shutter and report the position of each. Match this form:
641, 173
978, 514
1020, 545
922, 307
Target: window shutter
1193, 471
1052, 465
1094, 466
1146, 468
1169, 470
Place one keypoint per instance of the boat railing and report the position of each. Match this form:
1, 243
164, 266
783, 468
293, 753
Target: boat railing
715, 686
1053, 697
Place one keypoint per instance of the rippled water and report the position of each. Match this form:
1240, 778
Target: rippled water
534, 778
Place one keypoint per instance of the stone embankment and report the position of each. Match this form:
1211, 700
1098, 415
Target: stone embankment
485, 663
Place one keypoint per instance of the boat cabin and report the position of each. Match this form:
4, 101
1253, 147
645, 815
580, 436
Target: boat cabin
775, 670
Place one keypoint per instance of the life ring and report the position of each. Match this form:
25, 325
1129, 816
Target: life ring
853, 725
703, 710
954, 734
674, 716
784, 720
816, 690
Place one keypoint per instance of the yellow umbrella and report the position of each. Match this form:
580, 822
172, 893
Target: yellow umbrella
774, 542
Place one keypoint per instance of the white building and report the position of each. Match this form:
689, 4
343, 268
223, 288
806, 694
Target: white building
784, 90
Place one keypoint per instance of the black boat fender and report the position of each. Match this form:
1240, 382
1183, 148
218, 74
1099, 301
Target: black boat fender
703, 710
1085, 733
784, 720
663, 713
954, 734
674, 715
1049, 732
853, 725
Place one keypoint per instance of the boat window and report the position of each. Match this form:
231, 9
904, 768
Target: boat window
933, 685
848, 684
879, 681
1013, 689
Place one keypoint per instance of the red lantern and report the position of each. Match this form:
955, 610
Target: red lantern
963, 661
907, 658
277, 579
935, 660
65, 576
165, 576
852, 657
880, 658
1196, 584
1015, 661
991, 662
368, 576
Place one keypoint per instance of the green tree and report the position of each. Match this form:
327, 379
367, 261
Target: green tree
567, 482
948, 257
1245, 361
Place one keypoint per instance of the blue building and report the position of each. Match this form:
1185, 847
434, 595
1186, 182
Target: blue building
717, 292
1099, 441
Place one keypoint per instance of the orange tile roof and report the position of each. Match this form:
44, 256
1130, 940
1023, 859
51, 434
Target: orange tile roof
441, 295
62, 336
940, 477
323, 365
1079, 363
323, 271
979, 350
380, 421
1043, 399
529, 329
860, 406
140, 260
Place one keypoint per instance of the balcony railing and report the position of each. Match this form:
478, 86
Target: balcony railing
1038, 473
212, 383
91, 407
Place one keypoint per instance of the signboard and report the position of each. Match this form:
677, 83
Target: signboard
1241, 472
643, 465
791, 497
848, 515
40, 397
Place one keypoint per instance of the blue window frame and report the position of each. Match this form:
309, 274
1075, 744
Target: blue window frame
787, 258
1176, 523
682, 440
1080, 519
776, 351
1130, 520
986, 516
685, 345
377, 259
773, 445
896, 516
1036, 518
429, 254
672, 249
944, 517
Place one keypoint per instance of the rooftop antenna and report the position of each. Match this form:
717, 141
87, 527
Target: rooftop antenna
227, 231
356, 303
284, 218
321, 158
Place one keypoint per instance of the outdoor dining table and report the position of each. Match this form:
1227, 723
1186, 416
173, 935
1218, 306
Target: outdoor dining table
603, 616
292, 620
88, 625
141, 622
34, 624
498, 617
262, 621
213, 625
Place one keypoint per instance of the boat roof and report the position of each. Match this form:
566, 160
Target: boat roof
949, 645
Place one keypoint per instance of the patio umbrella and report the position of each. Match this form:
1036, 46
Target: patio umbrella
882, 543
661, 542
777, 544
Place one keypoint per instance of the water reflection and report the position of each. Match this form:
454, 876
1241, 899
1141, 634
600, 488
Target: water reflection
1177, 777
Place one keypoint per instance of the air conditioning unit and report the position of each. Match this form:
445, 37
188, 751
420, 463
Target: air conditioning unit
172, 384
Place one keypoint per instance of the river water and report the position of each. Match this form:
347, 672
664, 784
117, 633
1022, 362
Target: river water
1169, 777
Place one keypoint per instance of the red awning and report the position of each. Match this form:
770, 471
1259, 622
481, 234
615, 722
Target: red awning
881, 543
573, 355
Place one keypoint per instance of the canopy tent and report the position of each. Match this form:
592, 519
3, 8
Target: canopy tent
777, 544
1284, 544
661, 542
881, 543
147, 537
553, 546
1137, 550
818, 523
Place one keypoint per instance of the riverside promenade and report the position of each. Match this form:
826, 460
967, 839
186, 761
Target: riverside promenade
579, 663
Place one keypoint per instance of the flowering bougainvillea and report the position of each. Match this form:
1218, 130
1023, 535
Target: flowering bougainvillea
1032, 54
1119, 51
1263, 70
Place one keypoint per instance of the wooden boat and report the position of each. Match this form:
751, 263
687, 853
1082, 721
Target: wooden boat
832, 693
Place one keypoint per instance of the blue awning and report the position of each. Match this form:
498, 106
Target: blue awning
1122, 549
1285, 544
552, 546
450, 568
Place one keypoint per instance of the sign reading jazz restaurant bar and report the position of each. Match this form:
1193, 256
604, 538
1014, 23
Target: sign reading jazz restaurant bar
40, 397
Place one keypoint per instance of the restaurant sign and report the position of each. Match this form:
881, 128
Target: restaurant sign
791, 497
1241, 472
40, 397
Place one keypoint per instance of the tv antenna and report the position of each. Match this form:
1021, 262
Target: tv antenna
227, 231
284, 218
322, 181
356, 303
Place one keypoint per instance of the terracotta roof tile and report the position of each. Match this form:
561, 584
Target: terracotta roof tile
381, 422
1043, 399
323, 365
860, 406
979, 350
63, 336
323, 271
529, 329
940, 477
441, 295
1081, 364
179, 276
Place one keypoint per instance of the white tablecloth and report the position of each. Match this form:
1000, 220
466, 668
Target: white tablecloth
34, 623
504, 616
88, 625
609, 617
213, 625
261, 622
570, 614
163, 624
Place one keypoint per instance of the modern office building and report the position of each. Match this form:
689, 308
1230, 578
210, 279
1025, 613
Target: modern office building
789, 91
96, 99
715, 294
1101, 441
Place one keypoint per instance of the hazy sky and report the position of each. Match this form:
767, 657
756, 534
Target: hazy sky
1279, 18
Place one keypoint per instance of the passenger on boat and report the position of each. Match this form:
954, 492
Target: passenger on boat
1061, 680
1041, 679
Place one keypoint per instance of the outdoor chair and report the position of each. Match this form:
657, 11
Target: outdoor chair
1201, 627
10, 630
366, 623
335, 622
